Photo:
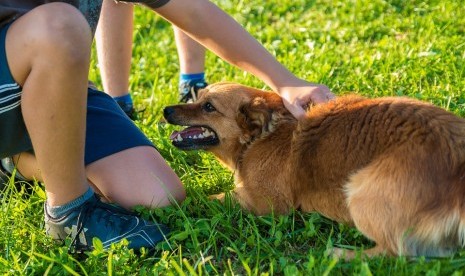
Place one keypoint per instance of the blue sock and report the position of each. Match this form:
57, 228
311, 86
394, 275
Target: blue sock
191, 77
60, 211
125, 102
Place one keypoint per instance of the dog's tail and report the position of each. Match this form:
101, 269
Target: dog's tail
438, 233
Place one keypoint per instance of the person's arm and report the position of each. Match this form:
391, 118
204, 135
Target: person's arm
221, 34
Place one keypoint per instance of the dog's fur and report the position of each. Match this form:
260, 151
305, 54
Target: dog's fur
392, 167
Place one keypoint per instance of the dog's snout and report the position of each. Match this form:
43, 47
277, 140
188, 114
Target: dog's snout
168, 111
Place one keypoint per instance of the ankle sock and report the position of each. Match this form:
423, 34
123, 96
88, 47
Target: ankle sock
62, 210
9, 166
125, 102
184, 78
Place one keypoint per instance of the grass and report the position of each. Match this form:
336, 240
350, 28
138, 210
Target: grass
370, 47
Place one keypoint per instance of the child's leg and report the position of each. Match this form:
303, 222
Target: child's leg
192, 64
114, 50
136, 176
48, 51
191, 53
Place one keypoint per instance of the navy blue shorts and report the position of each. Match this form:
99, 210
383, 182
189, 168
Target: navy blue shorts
108, 130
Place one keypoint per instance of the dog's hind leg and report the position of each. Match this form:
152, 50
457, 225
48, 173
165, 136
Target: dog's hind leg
406, 212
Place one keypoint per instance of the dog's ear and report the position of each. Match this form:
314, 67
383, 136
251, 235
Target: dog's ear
255, 119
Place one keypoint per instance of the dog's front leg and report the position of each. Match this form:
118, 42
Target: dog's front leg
219, 197
254, 202
348, 255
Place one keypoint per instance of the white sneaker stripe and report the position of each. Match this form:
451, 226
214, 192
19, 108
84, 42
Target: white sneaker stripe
120, 237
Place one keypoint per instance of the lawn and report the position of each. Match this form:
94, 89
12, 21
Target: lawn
369, 47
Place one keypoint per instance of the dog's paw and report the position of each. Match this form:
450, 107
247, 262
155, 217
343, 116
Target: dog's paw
219, 197
339, 253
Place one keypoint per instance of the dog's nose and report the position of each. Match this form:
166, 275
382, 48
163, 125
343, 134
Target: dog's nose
167, 111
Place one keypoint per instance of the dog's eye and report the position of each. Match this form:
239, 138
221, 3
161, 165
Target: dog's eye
209, 107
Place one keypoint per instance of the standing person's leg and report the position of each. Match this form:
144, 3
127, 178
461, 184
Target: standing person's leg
46, 58
192, 64
114, 51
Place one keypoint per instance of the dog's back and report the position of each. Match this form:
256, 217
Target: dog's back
395, 167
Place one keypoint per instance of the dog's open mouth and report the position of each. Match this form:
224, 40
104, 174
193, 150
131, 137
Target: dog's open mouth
194, 137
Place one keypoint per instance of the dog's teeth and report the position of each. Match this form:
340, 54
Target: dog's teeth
195, 137
206, 133
178, 138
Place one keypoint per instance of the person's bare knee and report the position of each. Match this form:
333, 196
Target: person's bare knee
136, 176
66, 33
51, 33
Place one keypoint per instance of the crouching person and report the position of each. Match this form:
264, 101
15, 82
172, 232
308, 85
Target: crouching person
79, 137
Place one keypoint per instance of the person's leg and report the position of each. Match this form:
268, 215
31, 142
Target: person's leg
191, 53
48, 51
136, 176
114, 51
192, 64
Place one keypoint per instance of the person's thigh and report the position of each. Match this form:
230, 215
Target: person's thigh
121, 162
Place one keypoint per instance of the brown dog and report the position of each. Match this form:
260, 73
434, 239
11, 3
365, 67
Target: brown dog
393, 167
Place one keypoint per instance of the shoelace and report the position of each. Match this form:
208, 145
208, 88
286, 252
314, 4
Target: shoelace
86, 210
189, 95
192, 93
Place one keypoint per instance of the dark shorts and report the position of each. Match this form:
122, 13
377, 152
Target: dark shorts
108, 130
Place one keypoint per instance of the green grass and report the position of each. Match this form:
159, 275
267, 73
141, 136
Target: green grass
370, 47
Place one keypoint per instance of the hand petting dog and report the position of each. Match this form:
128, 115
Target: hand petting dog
297, 98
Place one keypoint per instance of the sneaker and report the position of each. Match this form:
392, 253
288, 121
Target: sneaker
7, 165
109, 223
188, 90
4, 178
